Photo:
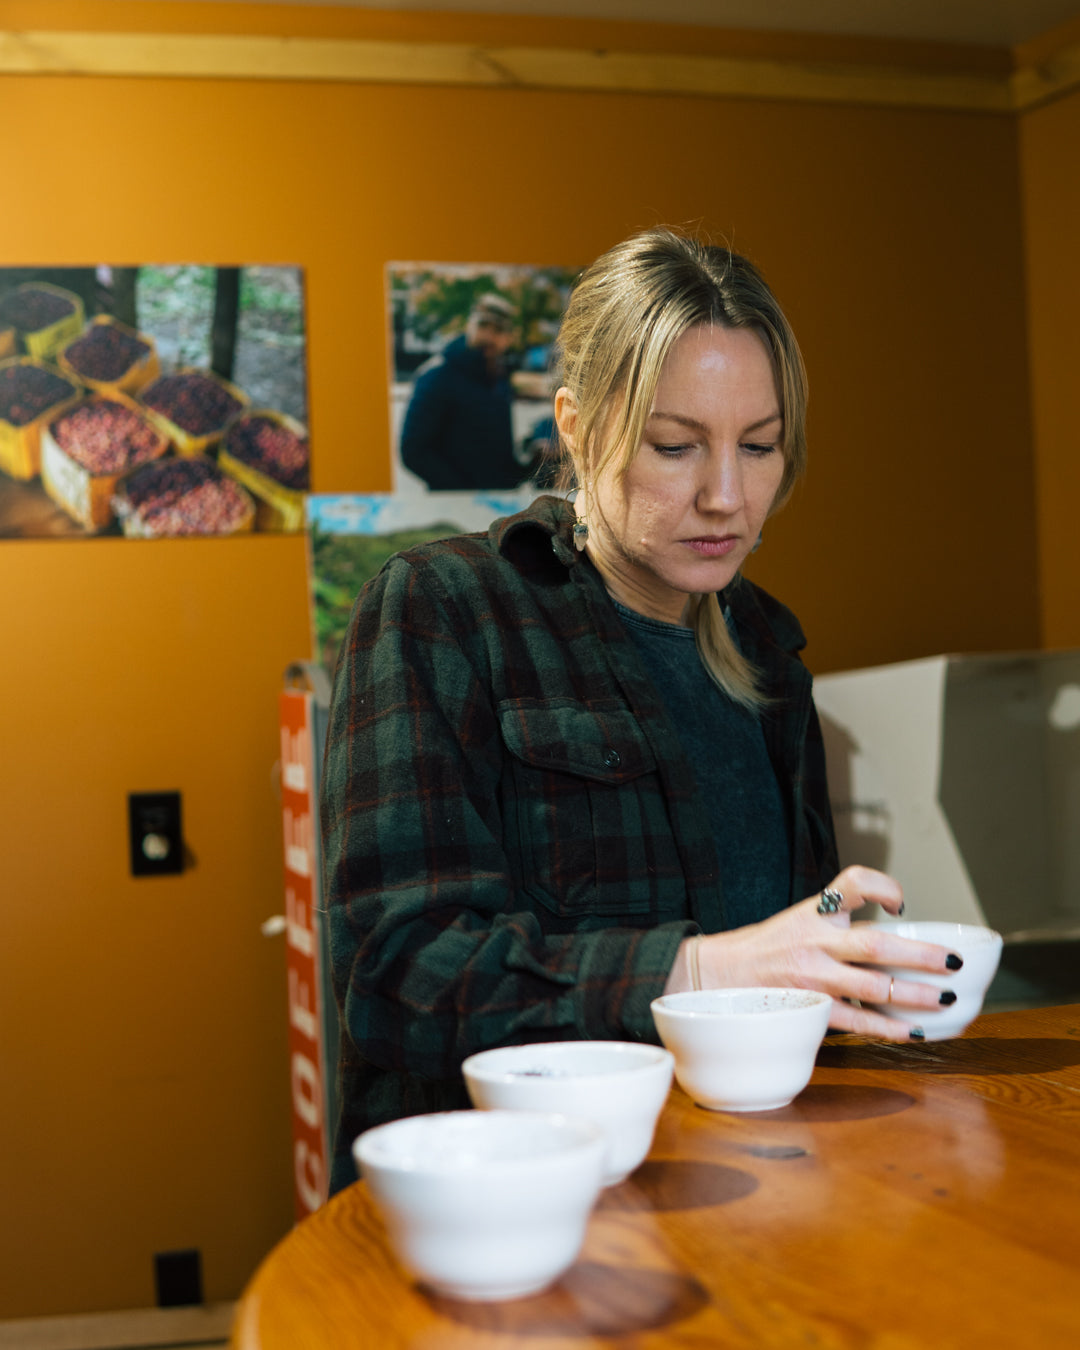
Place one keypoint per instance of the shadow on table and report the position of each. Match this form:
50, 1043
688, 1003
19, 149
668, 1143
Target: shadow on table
674, 1183
592, 1299
976, 1055
836, 1102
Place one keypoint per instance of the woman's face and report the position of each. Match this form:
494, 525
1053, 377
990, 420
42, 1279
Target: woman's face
689, 509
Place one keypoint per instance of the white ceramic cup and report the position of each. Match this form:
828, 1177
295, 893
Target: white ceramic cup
484, 1205
743, 1049
619, 1085
980, 950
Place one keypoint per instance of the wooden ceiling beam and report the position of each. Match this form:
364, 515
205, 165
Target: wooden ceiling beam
190, 56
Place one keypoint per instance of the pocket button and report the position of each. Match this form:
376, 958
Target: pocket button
612, 759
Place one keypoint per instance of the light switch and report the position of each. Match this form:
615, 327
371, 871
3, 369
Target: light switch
156, 833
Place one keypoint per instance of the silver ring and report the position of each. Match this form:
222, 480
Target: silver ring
831, 902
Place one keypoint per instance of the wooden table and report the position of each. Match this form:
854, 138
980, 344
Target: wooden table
912, 1196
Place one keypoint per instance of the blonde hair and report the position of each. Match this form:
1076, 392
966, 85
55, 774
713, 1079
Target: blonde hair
625, 314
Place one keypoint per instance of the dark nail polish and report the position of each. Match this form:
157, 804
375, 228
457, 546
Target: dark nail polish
947, 997
953, 962
917, 1034
900, 911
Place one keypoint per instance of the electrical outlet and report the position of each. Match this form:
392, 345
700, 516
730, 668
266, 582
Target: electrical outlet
155, 834
178, 1278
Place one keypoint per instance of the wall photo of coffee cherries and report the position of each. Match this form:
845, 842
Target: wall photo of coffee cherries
152, 402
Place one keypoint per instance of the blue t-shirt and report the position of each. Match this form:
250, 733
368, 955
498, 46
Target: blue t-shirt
732, 771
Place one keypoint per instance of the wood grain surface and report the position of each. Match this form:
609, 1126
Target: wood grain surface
911, 1196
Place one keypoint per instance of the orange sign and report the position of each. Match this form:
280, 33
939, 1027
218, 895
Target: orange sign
307, 1045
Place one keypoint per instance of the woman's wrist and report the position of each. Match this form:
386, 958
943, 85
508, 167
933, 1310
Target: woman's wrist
685, 971
728, 960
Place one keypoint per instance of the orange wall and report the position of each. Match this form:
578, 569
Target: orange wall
143, 1036
1051, 193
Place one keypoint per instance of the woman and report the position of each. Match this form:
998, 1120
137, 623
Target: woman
574, 763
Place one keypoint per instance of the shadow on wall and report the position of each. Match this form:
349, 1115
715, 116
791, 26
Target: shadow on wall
863, 826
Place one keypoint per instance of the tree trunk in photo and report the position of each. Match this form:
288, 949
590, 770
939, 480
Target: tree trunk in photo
226, 314
123, 293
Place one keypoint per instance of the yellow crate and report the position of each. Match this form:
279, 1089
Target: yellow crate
42, 343
87, 497
140, 373
7, 342
183, 441
20, 446
278, 508
136, 528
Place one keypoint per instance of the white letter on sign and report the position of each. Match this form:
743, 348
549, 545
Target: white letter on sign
300, 1013
300, 935
306, 1091
308, 1174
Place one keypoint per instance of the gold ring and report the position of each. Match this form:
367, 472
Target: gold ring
892, 981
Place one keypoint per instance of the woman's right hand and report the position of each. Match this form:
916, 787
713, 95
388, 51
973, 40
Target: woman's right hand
803, 948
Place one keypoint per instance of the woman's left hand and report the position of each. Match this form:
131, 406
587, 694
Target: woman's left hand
803, 948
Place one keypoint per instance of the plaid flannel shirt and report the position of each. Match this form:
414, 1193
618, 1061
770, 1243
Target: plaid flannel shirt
513, 844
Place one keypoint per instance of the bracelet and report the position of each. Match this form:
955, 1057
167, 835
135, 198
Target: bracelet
694, 962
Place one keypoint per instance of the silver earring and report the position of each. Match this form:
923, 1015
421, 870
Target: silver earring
581, 534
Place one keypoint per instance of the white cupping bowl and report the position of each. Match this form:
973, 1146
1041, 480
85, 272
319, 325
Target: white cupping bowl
484, 1205
619, 1085
743, 1049
980, 949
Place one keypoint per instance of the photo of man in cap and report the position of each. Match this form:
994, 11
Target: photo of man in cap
458, 430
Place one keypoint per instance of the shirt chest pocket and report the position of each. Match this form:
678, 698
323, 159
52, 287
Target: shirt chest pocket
587, 824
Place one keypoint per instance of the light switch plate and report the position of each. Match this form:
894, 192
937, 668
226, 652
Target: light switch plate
155, 833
